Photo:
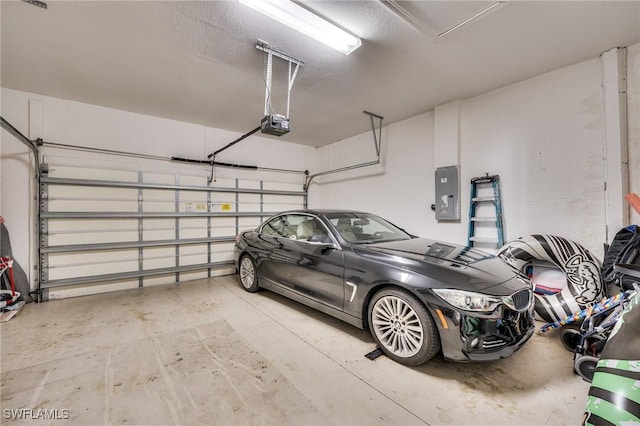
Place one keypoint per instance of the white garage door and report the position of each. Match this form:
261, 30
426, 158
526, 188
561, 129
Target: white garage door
106, 229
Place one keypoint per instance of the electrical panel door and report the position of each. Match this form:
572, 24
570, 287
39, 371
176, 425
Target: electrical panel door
447, 193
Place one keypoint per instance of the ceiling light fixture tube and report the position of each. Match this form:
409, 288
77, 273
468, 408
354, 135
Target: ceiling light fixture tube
301, 19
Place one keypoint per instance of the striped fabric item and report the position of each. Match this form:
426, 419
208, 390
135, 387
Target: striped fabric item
581, 268
614, 395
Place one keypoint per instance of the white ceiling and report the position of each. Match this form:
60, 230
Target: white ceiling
197, 61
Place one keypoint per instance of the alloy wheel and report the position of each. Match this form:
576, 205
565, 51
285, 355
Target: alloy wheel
247, 273
397, 326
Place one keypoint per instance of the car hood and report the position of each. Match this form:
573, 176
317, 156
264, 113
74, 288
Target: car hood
453, 265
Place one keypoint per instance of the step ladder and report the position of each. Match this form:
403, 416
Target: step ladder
489, 187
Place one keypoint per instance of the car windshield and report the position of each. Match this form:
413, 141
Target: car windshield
362, 228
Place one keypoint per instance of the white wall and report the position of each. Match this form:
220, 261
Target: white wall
633, 123
543, 136
395, 189
85, 125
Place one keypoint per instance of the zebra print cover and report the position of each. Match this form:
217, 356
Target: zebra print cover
582, 269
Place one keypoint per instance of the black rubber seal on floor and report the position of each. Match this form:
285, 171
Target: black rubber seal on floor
374, 354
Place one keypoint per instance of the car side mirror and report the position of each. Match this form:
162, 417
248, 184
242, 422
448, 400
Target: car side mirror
321, 240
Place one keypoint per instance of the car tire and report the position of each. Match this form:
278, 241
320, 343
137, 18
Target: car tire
402, 327
248, 274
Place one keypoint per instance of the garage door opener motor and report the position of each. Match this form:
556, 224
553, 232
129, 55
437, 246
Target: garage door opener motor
273, 123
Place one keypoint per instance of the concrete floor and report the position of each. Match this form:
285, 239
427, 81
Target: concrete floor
206, 352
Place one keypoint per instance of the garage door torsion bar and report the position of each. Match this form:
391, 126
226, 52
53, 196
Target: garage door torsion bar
160, 158
376, 142
234, 166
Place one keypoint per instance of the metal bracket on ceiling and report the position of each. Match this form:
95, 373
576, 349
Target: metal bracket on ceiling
376, 140
268, 79
265, 48
376, 137
36, 3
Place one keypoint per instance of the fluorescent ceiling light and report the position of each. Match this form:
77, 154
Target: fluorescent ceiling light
299, 18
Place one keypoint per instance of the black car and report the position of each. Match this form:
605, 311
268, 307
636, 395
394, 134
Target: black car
416, 295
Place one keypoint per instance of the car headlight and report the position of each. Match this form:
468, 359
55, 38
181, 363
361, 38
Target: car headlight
469, 301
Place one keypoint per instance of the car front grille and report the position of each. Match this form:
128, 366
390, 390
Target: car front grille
519, 301
492, 342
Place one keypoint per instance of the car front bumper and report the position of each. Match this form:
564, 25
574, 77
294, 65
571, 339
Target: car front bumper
468, 337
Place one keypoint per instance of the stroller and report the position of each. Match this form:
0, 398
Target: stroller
588, 341
620, 271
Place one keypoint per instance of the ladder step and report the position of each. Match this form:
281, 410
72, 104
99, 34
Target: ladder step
476, 199
492, 240
484, 219
484, 179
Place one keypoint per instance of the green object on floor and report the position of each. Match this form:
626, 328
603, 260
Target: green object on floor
614, 396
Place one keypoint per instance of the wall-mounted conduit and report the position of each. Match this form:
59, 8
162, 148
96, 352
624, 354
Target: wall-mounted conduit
377, 137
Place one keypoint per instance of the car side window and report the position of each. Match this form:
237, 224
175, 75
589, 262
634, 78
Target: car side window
279, 226
310, 226
295, 227
359, 228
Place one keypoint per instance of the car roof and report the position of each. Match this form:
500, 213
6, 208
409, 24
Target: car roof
323, 211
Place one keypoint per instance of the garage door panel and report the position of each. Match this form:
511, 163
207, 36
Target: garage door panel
248, 223
75, 172
193, 180
281, 186
193, 227
73, 198
223, 227
89, 225
193, 253
158, 229
157, 200
158, 257
99, 193
249, 202
63, 266
157, 178
191, 196
197, 275
93, 205
94, 288
78, 232
223, 252
224, 183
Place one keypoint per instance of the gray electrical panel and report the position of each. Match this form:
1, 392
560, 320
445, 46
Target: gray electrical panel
447, 193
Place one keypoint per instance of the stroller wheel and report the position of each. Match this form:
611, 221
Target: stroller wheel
585, 366
570, 339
